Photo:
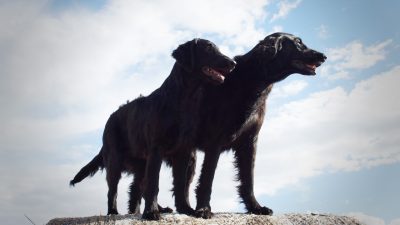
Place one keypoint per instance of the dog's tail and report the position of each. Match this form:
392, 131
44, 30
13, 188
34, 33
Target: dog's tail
90, 169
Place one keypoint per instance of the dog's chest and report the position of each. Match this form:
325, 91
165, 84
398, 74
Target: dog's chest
251, 124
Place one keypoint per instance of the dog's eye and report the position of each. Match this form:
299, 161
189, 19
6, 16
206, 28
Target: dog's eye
210, 48
299, 43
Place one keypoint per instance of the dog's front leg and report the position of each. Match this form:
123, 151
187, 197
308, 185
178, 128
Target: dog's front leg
204, 188
183, 171
245, 155
152, 175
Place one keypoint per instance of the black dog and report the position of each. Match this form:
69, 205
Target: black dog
232, 114
160, 126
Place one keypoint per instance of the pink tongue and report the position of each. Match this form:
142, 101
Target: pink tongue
312, 66
220, 78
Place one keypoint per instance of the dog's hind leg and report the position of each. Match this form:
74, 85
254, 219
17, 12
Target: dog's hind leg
113, 176
183, 170
136, 188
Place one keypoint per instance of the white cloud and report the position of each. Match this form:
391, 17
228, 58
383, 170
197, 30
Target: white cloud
395, 222
353, 56
277, 29
332, 130
284, 7
289, 89
322, 31
356, 56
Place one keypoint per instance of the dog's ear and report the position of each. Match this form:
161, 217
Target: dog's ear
270, 46
185, 54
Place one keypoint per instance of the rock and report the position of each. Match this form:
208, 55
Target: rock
219, 218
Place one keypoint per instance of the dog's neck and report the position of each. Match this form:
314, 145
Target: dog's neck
181, 81
250, 75
256, 73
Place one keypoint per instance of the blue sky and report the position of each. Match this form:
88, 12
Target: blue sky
369, 191
329, 144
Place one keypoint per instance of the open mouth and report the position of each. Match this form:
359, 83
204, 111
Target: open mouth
215, 74
308, 68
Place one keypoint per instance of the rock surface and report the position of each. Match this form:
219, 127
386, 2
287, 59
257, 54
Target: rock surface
219, 218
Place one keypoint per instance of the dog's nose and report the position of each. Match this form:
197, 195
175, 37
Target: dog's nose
320, 55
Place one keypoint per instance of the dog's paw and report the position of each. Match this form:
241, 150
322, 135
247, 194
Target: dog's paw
112, 212
187, 210
204, 213
151, 215
134, 209
261, 210
164, 209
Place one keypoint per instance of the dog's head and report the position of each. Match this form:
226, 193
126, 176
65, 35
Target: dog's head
285, 54
202, 58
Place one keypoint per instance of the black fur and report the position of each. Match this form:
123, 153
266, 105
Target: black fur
161, 126
235, 123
